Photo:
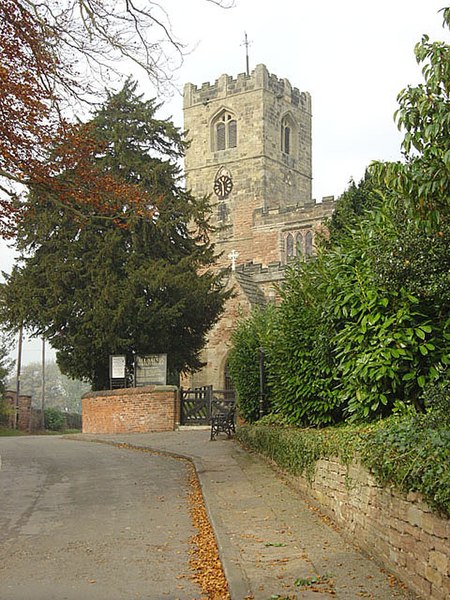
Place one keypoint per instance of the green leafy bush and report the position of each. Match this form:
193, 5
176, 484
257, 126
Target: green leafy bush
347, 346
409, 453
302, 379
436, 399
250, 336
413, 456
55, 420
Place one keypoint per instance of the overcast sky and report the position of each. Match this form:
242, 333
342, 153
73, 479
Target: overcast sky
352, 56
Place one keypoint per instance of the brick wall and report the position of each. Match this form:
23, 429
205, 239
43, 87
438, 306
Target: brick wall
23, 410
402, 533
131, 410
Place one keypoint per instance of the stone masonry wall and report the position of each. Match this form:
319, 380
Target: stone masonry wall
400, 532
264, 179
131, 410
215, 352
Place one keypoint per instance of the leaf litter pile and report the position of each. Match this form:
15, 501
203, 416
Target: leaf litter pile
205, 556
205, 561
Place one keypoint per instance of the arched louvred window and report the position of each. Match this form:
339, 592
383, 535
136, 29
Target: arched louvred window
299, 245
232, 133
285, 136
309, 244
224, 130
287, 140
220, 136
289, 245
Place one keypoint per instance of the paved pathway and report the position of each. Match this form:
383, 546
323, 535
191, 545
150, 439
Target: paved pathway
269, 539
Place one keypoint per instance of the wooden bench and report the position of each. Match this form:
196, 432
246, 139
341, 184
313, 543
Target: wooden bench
223, 417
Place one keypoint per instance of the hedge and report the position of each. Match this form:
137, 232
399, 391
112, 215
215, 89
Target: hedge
410, 453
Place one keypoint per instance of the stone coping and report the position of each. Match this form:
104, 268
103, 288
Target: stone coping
132, 391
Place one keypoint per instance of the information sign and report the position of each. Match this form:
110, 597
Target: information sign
150, 370
117, 367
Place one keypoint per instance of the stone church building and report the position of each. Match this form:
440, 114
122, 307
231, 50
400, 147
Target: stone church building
251, 150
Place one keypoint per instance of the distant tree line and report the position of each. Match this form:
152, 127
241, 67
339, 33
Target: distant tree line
60, 391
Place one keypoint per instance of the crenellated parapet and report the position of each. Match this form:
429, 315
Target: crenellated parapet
259, 79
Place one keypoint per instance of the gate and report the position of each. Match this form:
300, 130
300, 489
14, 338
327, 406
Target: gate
196, 405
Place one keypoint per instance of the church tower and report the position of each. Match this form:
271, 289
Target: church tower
251, 151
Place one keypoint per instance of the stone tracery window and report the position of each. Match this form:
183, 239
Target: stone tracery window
224, 131
220, 136
289, 246
232, 133
309, 244
299, 244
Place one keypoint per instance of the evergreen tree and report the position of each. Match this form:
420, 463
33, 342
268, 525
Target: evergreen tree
97, 288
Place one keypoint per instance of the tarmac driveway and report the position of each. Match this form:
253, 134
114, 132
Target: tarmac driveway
83, 520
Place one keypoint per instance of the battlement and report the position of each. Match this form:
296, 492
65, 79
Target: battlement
262, 272
309, 212
259, 78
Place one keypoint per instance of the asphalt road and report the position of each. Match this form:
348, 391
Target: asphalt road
80, 520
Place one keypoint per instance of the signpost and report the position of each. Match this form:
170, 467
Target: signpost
117, 371
150, 370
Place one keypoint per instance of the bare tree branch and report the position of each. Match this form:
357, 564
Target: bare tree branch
56, 53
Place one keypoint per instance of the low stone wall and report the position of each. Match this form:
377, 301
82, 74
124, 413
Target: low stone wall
400, 532
131, 410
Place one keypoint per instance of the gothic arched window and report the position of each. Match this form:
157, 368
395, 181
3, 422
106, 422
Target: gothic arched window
290, 245
299, 245
285, 138
309, 244
232, 133
288, 129
224, 131
220, 136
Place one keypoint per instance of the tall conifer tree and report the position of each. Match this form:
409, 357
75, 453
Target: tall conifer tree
99, 287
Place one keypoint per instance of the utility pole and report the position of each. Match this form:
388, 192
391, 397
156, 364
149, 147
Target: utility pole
19, 368
43, 386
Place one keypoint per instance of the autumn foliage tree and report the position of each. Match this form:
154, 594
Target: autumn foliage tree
55, 53
31, 121
28, 122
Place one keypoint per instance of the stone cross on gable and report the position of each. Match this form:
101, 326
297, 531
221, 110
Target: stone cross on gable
233, 256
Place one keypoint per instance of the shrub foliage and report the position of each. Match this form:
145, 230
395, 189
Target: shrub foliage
364, 329
55, 419
410, 453
251, 336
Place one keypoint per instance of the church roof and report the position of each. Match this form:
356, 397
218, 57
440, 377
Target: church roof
250, 288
